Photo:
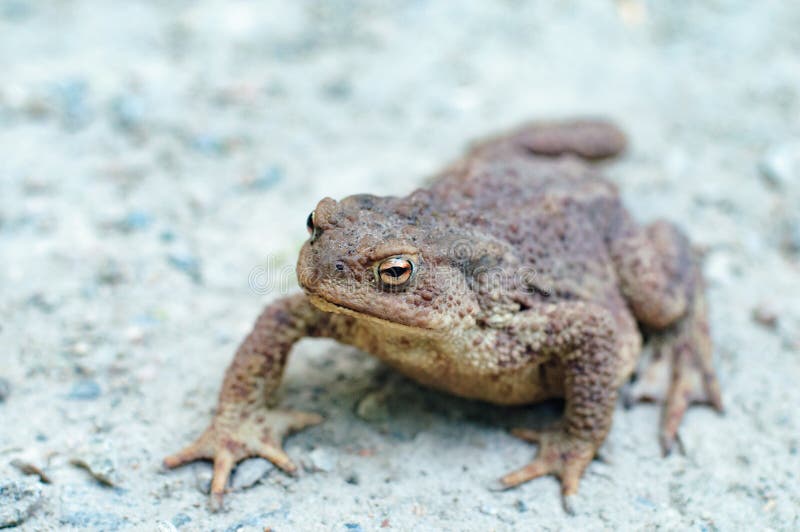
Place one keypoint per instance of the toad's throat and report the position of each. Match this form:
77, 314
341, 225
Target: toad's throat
329, 306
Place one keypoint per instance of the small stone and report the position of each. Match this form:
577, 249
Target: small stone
487, 510
353, 480
791, 236
80, 508
372, 407
18, 501
765, 316
322, 459
181, 519
167, 236
71, 98
16, 10
268, 179
202, 478
339, 89
85, 390
109, 273
128, 111
188, 264
80, 348
43, 302
780, 166
208, 144
134, 221
353, 526
521, 506
5, 389
28, 468
249, 472
101, 468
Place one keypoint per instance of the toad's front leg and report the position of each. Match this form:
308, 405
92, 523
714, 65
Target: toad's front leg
245, 424
581, 337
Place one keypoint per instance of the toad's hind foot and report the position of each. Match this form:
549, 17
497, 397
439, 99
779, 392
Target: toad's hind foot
678, 371
590, 139
239, 435
559, 454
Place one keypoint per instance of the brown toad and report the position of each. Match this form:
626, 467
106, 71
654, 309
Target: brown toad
516, 276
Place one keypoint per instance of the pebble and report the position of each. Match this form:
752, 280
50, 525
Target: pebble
322, 459
86, 519
128, 112
181, 519
339, 89
268, 179
780, 166
101, 468
188, 264
208, 144
487, 510
372, 407
16, 10
43, 302
202, 478
85, 390
5, 389
258, 521
71, 99
134, 221
249, 472
167, 236
353, 526
28, 468
765, 316
109, 273
18, 501
791, 237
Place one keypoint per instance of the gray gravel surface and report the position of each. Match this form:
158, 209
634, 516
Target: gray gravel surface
157, 163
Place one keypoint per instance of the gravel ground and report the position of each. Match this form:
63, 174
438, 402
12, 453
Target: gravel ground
158, 163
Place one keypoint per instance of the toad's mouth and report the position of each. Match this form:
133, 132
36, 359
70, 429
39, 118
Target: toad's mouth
335, 308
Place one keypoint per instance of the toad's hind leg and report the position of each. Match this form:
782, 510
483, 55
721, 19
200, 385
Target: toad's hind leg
678, 369
590, 139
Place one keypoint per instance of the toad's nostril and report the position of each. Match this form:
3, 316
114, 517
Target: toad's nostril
339, 265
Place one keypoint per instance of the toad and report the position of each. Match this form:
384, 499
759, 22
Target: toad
516, 276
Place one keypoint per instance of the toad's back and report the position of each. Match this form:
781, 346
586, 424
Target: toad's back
555, 214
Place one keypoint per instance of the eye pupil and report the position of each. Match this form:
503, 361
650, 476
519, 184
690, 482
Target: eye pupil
310, 223
395, 271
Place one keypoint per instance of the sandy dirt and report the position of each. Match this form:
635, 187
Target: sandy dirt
157, 164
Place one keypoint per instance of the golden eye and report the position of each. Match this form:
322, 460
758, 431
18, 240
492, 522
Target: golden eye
310, 223
395, 271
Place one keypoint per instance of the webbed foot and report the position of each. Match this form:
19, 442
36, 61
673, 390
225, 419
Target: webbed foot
678, 372
232, 437
559, 454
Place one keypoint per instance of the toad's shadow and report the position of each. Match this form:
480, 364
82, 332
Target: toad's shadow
403, 408
355, 390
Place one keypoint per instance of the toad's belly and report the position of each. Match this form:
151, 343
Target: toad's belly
518, 386
473, 374
479, 374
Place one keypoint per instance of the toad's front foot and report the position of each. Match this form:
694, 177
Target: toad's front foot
234, 436
560, 454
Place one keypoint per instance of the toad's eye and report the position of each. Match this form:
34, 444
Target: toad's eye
395, 271
310, 223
